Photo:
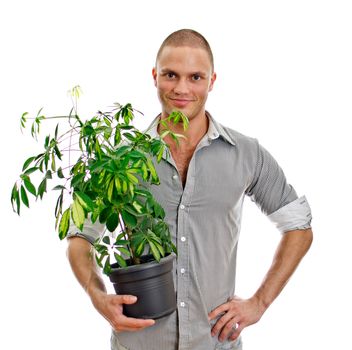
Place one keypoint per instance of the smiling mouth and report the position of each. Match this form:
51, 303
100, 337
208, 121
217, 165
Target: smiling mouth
180, 102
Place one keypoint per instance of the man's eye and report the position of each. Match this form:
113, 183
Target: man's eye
196, 77
170, 75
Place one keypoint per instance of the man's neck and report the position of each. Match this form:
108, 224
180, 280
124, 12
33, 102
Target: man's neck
198, 127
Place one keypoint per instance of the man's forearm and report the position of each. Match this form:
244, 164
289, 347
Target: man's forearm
292, 248
83, 265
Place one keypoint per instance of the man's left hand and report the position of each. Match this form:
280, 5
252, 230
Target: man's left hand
237, 314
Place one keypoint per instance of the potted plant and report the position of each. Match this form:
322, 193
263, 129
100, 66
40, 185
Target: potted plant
103, 168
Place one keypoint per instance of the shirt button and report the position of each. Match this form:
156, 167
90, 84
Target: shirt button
182, 304
183, 239
183, 270
182, 206
175, 177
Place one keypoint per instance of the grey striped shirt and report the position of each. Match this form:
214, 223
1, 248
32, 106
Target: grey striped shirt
205, 221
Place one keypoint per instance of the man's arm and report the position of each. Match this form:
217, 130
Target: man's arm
82, 262
245, 312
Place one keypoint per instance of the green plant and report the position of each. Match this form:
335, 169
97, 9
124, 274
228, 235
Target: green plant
106, 181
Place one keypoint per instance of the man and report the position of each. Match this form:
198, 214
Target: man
203, 185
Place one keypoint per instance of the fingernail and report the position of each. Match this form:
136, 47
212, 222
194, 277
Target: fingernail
133, 298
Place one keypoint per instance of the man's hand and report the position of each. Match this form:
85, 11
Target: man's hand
236, 315
110, 306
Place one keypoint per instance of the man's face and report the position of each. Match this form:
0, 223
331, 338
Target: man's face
183, 77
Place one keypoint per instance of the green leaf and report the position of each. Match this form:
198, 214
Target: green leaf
128, 219
27, 162
60, 173
56, 130
102, 249
164, 133
112, 222
98, 259
154, 251
132, 178
120, 236
14, 200
107, 267
110, 190
140, 247
30, 187
120, 242
158, 210
124, 250
120, 260
64, 224
58, 207
41, 188
103, 216
106, 240
117, 184
85, 201
77, 213
160, 248
137, 206
53, 163
160, 153
152, 169
31, 170
24, 196
59, 187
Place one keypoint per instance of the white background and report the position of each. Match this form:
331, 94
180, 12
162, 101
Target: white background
284, 77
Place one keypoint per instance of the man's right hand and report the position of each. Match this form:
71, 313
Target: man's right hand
110, 306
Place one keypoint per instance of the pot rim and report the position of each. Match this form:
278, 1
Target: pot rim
143, 266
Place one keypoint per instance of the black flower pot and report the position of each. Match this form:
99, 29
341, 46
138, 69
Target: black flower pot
151, 282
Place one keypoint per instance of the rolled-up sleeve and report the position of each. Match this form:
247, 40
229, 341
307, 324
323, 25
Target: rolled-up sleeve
293, 216
275, 197
90, 231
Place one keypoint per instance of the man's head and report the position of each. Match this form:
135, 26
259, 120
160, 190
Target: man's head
187, 37
184, 73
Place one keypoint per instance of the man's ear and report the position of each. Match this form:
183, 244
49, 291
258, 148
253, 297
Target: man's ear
154, 76
212, 80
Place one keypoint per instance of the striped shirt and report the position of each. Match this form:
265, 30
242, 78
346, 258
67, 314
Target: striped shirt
205, 221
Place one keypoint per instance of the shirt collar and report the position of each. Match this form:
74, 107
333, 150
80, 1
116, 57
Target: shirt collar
215, 130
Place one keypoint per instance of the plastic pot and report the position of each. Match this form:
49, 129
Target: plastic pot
151, 282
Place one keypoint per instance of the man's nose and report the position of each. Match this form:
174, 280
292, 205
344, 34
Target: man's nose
181, 87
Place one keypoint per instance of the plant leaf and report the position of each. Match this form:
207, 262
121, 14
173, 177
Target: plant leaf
27, 162
64, 224
77, 213
112, 222
107, 267
30, 187
14, 200
106, 240
128, 219
120, 260
124, 250
31, 170
85, 201
24, 196
104, 215
41, 188
60, 173
154, 250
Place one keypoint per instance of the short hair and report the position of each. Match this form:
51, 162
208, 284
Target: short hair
187, 37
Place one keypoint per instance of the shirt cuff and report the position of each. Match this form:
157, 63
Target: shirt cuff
293, 216
90, 231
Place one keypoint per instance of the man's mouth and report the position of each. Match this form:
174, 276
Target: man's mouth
180, 102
